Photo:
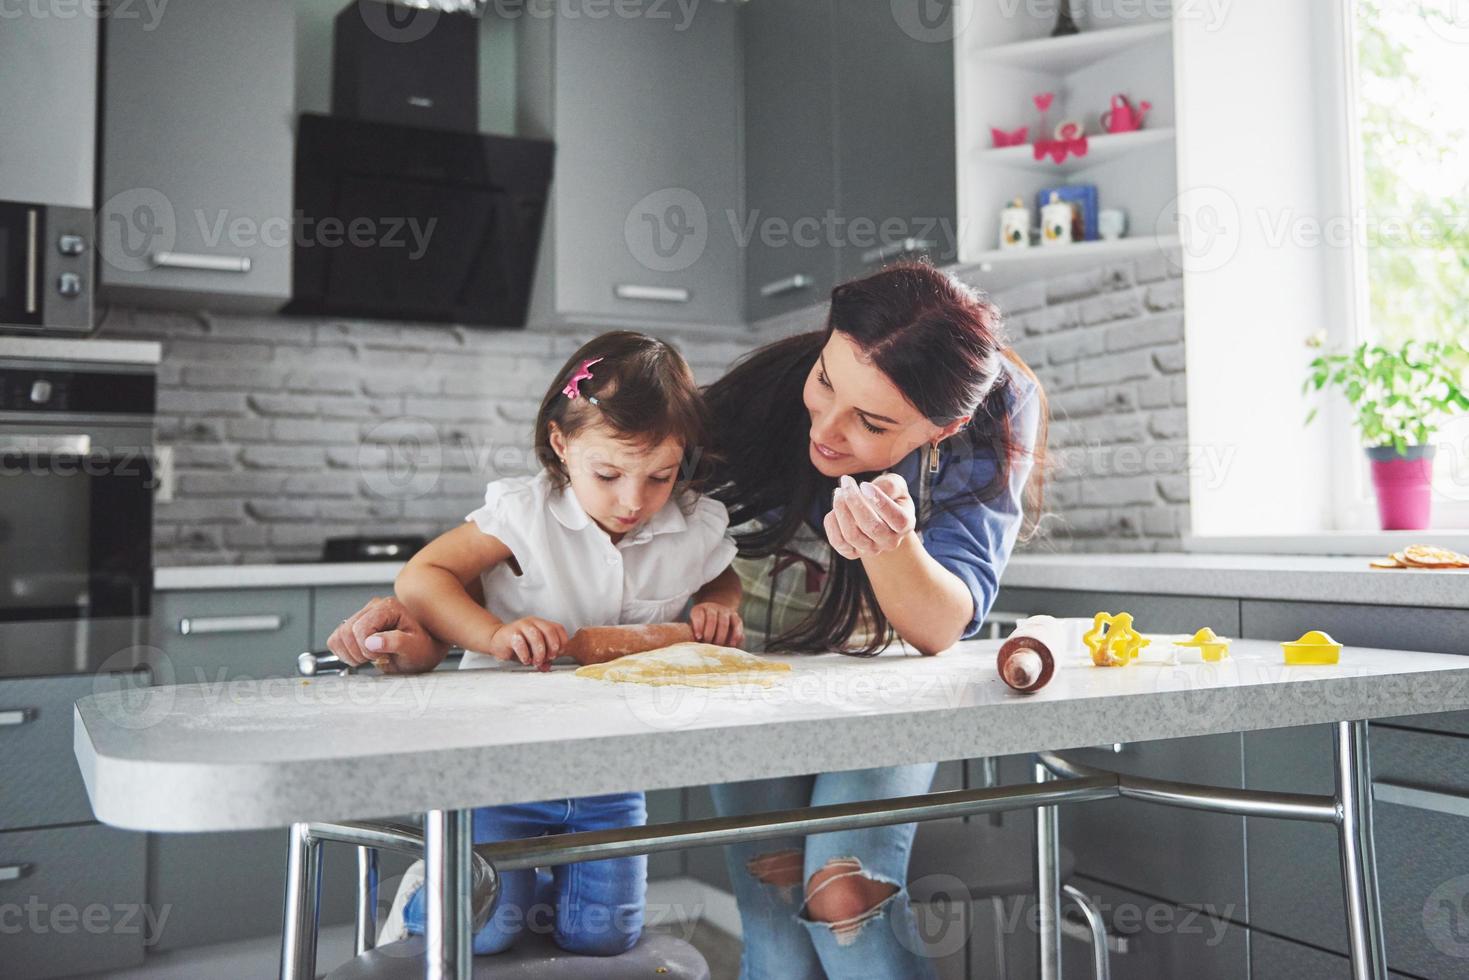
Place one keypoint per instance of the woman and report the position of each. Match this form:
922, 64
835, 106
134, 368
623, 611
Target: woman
911, 390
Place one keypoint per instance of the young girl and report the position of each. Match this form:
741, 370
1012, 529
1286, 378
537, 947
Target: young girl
609, 532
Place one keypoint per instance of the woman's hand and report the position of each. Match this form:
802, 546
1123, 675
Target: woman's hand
718, 624
871, 520
385, 634
533, 641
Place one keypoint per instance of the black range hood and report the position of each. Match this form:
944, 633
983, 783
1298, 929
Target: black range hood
408, 223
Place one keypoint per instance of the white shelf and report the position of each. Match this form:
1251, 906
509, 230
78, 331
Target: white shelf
1002, 268
1064, 55
1102, 148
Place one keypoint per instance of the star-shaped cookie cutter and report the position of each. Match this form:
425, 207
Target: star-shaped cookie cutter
1112, 641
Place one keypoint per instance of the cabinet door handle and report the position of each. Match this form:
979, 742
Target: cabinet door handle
58, 445
33, 265
11, 717
657, 294
14, 872
1437, 801
199, 625
787, 285
872, 256
202, 263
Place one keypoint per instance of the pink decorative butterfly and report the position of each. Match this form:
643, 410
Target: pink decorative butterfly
1015, 137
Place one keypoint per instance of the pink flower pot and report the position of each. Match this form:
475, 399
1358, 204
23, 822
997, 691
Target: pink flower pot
1404, 483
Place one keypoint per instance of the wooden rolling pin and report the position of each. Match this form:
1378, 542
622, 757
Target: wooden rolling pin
599, 644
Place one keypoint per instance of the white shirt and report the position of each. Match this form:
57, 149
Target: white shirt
574, 575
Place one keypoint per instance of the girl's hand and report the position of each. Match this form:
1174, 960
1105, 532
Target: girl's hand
532, 641
385, 634
717, 624
871, 520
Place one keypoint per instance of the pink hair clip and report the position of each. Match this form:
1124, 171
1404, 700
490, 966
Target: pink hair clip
583, 373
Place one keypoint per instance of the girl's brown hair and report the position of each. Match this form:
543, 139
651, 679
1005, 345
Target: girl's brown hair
942, 345
645, 393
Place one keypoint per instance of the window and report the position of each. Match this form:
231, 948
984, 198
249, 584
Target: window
1412, 121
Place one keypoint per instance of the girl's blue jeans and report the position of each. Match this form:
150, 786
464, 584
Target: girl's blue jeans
592, 909
781, 941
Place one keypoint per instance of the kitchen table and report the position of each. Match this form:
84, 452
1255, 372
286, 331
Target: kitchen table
328, 751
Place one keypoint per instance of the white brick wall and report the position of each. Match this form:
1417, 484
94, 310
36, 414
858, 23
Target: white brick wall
287, 431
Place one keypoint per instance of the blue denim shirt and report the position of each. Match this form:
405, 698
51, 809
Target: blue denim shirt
973, 539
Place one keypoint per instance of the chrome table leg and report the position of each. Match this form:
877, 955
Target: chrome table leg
366, 933
1047, 884
1358, 853
303, 904
448, 942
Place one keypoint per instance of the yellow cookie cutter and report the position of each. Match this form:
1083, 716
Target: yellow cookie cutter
1314, 647
1112, 641
1212, 647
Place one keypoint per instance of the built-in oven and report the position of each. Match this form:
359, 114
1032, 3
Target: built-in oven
76, 514
46, 268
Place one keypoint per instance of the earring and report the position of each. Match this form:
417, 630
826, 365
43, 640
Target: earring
933, 459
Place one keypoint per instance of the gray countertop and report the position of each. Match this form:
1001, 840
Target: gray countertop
1281, 577
266, 753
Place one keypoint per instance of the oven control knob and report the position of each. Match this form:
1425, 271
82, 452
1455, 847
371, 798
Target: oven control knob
40, 392
71, 245
69, 285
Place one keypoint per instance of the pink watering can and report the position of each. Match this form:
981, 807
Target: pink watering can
1122, 117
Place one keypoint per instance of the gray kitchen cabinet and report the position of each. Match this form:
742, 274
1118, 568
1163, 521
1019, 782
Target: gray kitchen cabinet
894, 90
645, 113
73, 899
198, 155
213, 636
332, 604
1151, 613
1163, 940
790, 157
38, 772
48, 119
1423, 870
1273, 958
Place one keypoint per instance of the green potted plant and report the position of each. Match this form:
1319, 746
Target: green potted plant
1399, 397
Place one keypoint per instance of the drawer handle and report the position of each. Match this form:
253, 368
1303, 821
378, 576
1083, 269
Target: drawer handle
14, 872
200, 625
790, 284
57, 445
896, 249
657, 294
11, 717
201, 263
1437, 801
32, 268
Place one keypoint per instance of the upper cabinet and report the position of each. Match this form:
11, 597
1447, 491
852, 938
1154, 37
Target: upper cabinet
849, 144
197, 155
48, 120
644, 111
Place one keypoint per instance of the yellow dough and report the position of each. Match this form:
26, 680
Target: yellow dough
691, 664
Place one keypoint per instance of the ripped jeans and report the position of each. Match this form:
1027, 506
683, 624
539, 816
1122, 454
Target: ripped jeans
782, 941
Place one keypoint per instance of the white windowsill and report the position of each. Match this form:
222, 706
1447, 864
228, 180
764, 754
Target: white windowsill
1370, 543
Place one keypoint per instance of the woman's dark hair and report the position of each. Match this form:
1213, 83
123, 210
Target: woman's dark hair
941, 344
645, 393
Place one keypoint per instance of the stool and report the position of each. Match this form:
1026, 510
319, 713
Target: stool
993, 863
535, 956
